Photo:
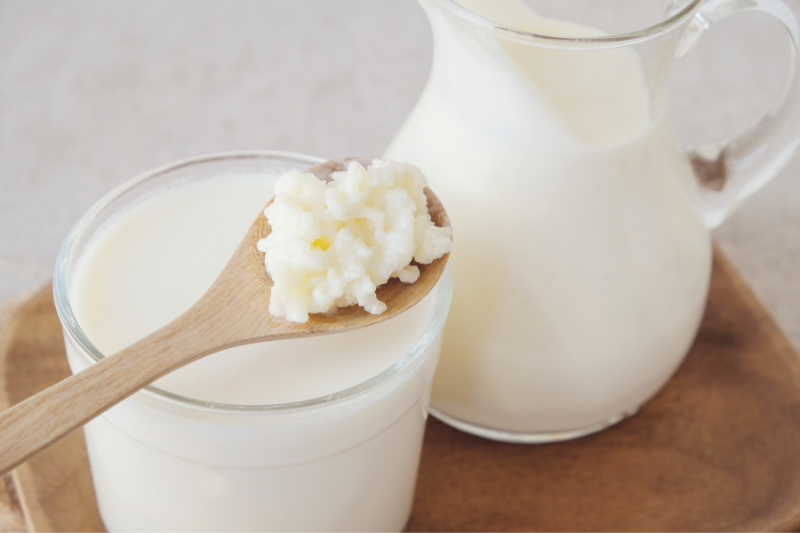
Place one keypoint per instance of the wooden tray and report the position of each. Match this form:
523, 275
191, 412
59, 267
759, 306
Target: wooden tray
717, 449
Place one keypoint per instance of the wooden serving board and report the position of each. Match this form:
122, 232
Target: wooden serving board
717, 449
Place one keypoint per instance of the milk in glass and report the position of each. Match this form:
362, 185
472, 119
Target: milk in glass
322, 433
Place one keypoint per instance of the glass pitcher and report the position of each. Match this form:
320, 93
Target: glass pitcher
582, 253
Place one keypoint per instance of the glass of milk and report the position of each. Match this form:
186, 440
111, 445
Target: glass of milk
308, 434
583, 254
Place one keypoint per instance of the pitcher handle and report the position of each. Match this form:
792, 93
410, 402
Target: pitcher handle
732, 170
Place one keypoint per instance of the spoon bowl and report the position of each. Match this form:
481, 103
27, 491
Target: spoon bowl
234, 311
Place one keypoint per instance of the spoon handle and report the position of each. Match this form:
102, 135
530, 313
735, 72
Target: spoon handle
52, 414
45, 418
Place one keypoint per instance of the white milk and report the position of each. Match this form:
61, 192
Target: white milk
581, 261
162, 465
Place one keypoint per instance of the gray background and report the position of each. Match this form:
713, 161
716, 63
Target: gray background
94, 92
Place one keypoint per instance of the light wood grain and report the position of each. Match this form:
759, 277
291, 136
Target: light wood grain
12, 519
233, 312
54, 488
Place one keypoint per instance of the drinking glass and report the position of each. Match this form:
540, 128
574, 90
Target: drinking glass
165, 462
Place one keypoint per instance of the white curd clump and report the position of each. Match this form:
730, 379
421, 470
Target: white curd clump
333, 243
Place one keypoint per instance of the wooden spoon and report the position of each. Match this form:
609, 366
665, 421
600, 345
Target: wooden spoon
234, 311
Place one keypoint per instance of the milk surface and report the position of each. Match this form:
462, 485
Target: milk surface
581, 261
150, 263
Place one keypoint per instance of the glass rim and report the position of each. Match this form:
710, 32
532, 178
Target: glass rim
73, 330
605, 41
